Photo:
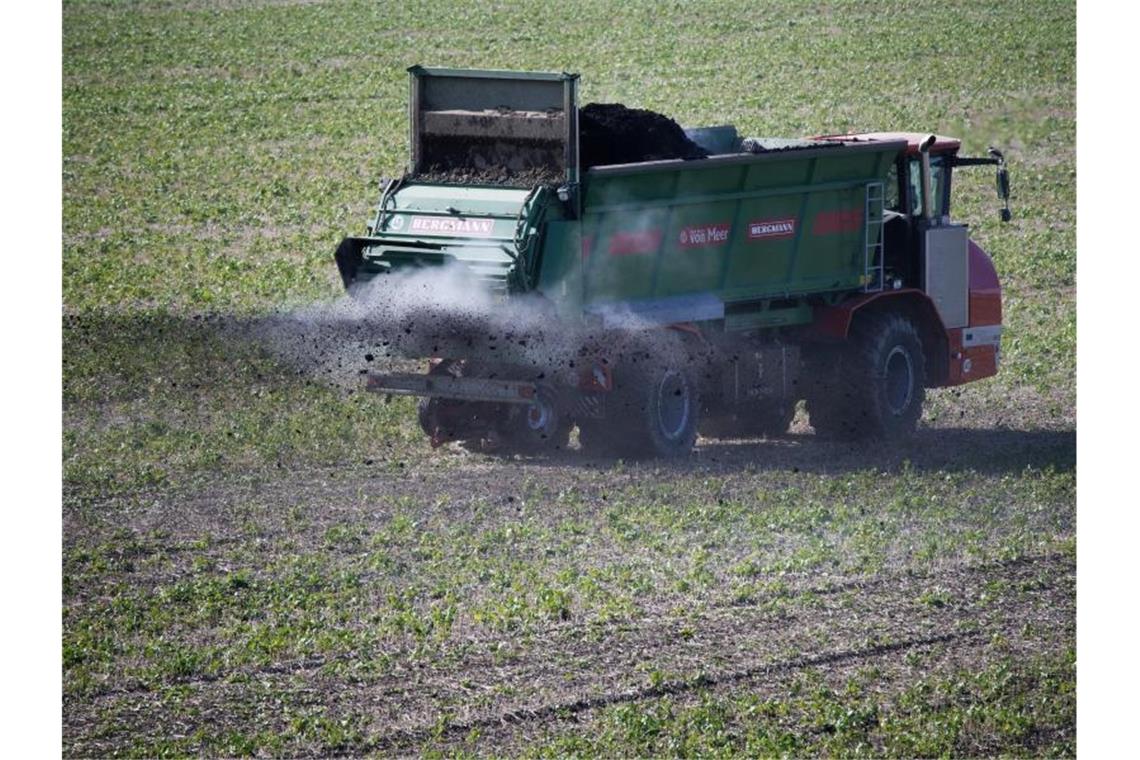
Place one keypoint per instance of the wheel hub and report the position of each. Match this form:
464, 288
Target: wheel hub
673, 404
899, 380
538, 416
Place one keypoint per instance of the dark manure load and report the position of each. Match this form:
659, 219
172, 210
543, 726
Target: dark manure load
610, 133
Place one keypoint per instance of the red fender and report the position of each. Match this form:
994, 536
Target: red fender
954, 356
833, 323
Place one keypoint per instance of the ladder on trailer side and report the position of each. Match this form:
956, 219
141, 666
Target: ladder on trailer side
873, 238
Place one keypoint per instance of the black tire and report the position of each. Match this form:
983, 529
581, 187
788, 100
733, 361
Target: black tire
671, 411
538, 428
872, 388
653, 411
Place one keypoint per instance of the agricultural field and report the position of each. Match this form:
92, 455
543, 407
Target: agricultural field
258, 558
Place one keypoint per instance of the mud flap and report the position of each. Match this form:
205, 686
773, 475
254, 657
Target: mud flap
348, 256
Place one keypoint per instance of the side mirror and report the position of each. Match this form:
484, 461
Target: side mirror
1002, 183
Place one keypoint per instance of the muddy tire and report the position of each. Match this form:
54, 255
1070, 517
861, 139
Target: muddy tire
653, 411
535, 429
872, 388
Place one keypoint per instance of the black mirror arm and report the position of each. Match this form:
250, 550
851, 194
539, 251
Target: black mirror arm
995, 159
958, 161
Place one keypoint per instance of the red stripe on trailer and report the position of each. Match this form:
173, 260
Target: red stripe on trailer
640, 241
837, 221
587, 246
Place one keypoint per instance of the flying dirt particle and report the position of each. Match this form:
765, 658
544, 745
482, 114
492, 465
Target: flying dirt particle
369, 461
368, 357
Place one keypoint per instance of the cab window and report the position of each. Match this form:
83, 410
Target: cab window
891, 190
938, 175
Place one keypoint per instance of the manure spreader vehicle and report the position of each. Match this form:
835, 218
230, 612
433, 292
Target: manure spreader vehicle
646, 283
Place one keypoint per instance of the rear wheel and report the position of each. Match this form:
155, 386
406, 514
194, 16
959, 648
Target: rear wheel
438, 417
671, 411
536, 427
652, 412
873, 387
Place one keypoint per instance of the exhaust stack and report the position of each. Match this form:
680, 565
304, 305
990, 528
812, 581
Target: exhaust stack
927, 206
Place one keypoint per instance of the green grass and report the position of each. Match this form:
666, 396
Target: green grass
153, 397
228, 516
963, 713
278, 582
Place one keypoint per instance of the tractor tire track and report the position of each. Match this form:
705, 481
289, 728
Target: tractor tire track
500, 685
655, 627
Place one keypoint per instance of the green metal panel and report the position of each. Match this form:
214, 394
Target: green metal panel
741, 237
433, 90
426, 225
742, 227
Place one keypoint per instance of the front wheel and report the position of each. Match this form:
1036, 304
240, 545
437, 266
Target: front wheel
872, 388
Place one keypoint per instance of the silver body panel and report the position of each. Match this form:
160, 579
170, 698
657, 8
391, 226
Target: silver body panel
946, 272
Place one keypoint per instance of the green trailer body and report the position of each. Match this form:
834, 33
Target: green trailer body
816, 253
671, 241
721, 238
